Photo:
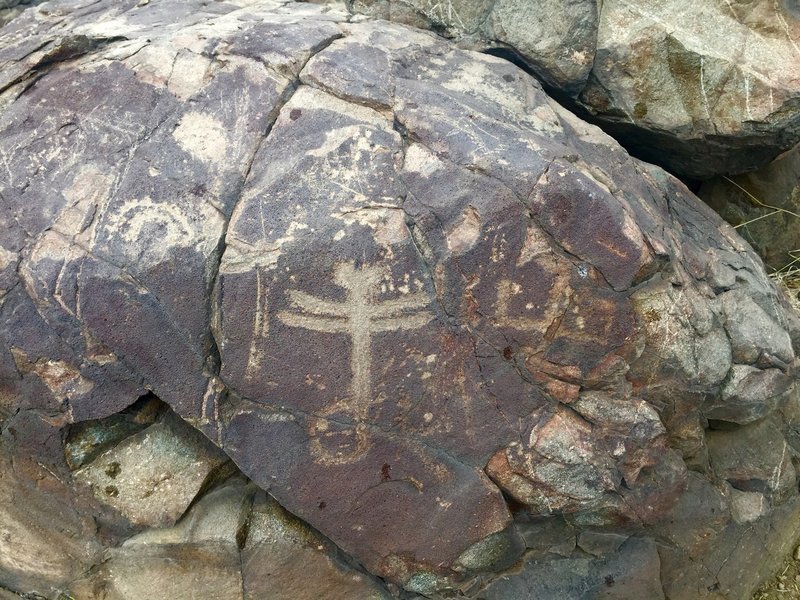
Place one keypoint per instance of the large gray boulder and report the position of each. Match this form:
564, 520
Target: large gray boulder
701, 87
557, 39
410, 296
673, 80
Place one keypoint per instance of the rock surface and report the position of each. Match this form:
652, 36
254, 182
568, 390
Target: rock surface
423, 306
556, 39
152, 476
673, 81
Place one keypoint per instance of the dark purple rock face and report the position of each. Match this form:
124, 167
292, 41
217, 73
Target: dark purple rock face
407, 293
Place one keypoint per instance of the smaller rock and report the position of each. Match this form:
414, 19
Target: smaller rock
284, 559
600, 543
602, 460
632, 572
749, 394
87, 440
168, 572
796, 554
495, 552
763, 205
752, 331
700, 514
549, 535
748, 506
152, 476
219, 517
753, 458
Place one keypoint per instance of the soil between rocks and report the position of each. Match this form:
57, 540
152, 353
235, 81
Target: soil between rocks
785, 584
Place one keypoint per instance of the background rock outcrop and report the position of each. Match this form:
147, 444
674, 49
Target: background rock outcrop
700, 88
449, 326
556, 39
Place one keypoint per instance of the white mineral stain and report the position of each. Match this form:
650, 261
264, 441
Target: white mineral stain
188, 74
308, 98
90, 186
420, 160
466, 231
6, 258
61, 378
481, 79
334, 138
391, 229
203, 136
153, 63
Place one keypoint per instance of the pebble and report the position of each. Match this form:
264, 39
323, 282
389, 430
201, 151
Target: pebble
797, 553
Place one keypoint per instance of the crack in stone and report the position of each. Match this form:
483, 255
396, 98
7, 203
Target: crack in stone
63, 50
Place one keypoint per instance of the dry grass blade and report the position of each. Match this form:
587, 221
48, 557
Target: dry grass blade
789, 279
777, 209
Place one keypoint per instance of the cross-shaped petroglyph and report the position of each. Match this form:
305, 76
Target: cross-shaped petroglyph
359, 316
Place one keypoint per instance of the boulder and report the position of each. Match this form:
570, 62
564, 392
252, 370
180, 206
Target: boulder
236, 543
631, 572
702, 88
51, 530
557, 40
672, 81
152, 476
410, 296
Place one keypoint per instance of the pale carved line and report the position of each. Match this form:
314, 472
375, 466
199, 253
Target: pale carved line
260, 327
359, 316
505, 291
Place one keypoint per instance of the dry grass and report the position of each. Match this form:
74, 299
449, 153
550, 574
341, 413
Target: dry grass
785, 585
788, 278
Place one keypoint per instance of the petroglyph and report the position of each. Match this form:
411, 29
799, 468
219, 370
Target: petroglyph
189, 74
135, 216
542, 315
507, 289
358, 316
203, 136
260, 327
153, 229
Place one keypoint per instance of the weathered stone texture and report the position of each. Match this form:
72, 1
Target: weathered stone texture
701, 88
152, 476
427, 309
